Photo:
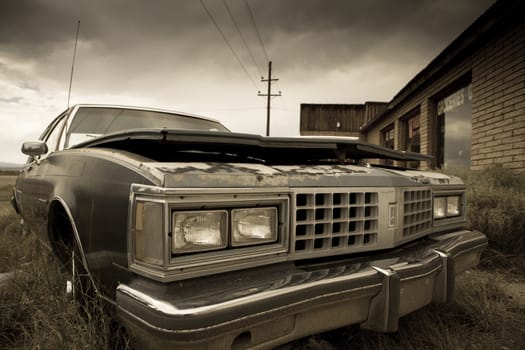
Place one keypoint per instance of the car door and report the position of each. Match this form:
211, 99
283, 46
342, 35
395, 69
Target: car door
33, 185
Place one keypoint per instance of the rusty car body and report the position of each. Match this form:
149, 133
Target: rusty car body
205, 239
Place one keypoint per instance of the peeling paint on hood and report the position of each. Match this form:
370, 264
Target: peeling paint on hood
209, 174
211, 168
322, 169
427, 177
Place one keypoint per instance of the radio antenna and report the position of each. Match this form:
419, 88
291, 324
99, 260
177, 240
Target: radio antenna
73, 65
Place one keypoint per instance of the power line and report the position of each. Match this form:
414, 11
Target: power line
256, 30
242, 36
227, 43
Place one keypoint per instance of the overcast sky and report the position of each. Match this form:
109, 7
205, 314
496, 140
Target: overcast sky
169, 54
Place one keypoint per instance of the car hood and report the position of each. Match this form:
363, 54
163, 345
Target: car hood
184, 158
268, 150
256, 175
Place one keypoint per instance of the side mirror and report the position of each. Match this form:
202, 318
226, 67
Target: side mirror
34, 148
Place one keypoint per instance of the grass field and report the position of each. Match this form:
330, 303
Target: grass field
488, 313
6, 189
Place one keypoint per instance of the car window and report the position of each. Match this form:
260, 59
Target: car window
52, 138
90, 122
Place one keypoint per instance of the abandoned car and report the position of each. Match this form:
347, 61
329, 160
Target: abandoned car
201, 238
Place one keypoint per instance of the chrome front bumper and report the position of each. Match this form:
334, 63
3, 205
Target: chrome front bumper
268, 306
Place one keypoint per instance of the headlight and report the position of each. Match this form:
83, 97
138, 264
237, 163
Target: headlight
453, 206
254, 226
440, 204
147, 242
199, 231
447, 206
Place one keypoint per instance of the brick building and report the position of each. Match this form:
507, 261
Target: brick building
467, 107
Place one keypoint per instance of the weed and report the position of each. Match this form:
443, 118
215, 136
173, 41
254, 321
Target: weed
496, 206
12, 249
35, 311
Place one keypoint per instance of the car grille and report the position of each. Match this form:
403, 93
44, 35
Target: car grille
330, 222
417, 217
326, 221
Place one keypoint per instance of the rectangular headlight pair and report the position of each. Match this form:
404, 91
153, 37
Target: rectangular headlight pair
216, 229
447, 206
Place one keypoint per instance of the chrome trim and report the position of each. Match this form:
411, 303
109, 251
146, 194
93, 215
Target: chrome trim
171, 310
384, 287
421, 275
446, 279
186, 191
277, 310
384, 308
383, 312
208, 262
72, 111
77, 239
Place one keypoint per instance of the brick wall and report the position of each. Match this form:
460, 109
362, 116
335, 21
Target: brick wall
498, 106
496, 69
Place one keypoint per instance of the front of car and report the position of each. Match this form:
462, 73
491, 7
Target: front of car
205, 239
285, 243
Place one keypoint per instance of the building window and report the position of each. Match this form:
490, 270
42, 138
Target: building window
410, 135
387, 140
411, 142
387, 137
454, 129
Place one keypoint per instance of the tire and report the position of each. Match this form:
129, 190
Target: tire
79, 284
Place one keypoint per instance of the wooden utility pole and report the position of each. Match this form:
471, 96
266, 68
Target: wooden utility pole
269, 96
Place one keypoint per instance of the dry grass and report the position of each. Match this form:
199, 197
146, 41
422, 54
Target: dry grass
12, 248
6, 189
35, 312
496, 206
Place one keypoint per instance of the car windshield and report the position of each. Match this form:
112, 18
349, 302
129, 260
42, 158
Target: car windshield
90, 122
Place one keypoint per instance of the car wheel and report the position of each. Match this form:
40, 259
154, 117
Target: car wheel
78, 284
65, 247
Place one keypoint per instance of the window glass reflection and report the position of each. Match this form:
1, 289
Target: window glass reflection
454, 127
387, 140
412, 140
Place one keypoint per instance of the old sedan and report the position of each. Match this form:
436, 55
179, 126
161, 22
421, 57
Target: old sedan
205, 239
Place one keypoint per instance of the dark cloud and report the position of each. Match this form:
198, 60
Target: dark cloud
171, 48
316, 32
296, 31
32, 26
437, 17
